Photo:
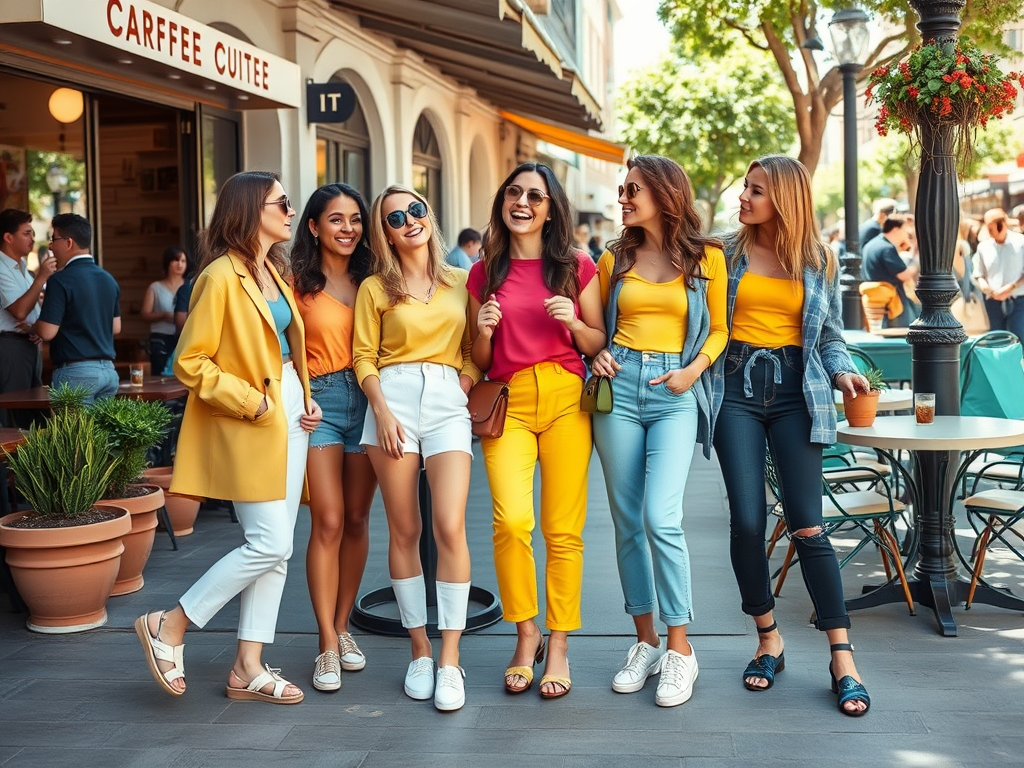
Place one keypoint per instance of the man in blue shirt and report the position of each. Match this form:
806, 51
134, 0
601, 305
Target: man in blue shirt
881, 262
80, 314
467, 251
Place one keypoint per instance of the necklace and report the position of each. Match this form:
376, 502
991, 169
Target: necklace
431, 290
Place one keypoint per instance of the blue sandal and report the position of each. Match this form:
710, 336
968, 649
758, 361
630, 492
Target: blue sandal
847, 688
764, 666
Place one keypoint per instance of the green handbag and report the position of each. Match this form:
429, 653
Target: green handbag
597, 395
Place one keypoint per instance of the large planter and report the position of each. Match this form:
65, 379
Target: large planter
182, 510
138, 543
860, 410
65, 575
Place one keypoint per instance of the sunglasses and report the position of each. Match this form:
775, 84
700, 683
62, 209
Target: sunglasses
534, 197
398, 219
283, 202
630, 189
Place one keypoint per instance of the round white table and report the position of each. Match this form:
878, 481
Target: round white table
936, 450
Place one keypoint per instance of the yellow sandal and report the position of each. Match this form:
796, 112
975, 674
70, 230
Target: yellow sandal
524, 672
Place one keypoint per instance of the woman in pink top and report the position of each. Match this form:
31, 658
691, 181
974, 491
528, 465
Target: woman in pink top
534, 307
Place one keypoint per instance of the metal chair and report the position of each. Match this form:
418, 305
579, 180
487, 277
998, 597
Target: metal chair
997, 511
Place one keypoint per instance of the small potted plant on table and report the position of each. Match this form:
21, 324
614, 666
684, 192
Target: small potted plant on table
860, 409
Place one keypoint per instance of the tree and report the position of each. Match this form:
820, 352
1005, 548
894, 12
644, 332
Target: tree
712, 119
781, 26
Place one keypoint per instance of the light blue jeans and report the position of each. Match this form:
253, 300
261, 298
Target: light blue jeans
97, 376
646, 444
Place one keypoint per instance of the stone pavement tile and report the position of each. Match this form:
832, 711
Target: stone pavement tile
76, 734
197, 736
933, 750
216, 758
6, 753
49, 757
616, 761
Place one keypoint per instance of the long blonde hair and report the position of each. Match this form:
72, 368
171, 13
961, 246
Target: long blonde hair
798, 242
386, 264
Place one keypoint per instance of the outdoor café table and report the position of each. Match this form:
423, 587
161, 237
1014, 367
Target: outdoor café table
936, 453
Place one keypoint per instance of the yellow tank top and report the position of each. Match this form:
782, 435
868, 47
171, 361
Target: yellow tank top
768, 311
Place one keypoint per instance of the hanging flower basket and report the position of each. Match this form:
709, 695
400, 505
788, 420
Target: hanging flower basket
947, 84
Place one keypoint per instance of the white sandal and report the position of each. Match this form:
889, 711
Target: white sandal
157, 650
253, 691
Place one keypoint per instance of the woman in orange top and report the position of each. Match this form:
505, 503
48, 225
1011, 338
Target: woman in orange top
330, 257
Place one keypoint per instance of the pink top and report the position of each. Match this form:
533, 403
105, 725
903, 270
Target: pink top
526, 335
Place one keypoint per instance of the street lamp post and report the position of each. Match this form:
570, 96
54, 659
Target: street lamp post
57, 181
849, 31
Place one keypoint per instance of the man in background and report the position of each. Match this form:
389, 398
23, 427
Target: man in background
21, 365
999, 273
881, 262
467, 251
80, 314
881, 209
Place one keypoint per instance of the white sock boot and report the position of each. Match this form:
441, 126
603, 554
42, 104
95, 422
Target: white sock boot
452, 605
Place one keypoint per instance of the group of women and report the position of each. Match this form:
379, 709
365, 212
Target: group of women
365, 359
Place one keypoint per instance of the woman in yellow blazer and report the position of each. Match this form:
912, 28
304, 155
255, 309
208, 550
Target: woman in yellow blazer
245, 432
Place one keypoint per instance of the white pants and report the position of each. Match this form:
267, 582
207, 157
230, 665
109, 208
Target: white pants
257, 569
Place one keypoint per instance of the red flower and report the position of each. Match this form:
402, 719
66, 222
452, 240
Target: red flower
914, 92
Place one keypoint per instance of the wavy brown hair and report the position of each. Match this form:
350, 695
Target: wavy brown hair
682, 231
306, 260
798, 242
386, 264
235, 224
559, 250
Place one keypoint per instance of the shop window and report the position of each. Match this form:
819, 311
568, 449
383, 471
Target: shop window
426, 165
343, 152
220, 156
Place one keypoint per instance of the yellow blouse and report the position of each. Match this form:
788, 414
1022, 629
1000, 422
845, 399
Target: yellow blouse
652, 316
412, 331
768, 311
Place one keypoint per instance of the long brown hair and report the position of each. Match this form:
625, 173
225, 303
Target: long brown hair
386, 265
235, 224
558, 250
683, 237
798, 241
306, 260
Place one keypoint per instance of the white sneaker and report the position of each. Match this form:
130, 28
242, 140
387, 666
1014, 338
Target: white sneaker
327, 672
352, 659
419, 680
642, 661
450, 691
675, 686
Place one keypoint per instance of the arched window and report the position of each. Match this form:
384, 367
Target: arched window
343, 151
426, 165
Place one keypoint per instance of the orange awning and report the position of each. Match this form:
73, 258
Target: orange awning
574, 141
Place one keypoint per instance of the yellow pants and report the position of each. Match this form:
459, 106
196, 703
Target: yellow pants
544, 423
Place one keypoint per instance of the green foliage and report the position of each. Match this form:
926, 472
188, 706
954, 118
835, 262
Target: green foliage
39, 163
63, 468
65, 397
133, 427
876, 379
712, 119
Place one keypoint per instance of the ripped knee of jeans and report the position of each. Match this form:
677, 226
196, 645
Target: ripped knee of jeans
809, 534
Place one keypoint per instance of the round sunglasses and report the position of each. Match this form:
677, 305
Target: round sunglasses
534, 197
398, 219
630, 189
283, 202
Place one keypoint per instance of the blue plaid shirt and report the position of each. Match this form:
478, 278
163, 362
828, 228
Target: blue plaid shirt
825, 353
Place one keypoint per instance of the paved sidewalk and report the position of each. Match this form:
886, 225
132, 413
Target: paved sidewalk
87, 700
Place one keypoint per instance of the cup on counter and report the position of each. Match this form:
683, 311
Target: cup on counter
874, 316
924, 407
135, 375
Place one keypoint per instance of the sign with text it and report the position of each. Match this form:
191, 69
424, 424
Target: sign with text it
142, 28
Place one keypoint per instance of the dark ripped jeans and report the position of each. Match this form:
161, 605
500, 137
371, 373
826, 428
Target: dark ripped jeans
764, 401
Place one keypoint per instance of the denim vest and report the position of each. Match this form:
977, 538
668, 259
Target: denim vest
824, 353
698, 326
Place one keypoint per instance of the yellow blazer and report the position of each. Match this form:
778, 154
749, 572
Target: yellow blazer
229, 357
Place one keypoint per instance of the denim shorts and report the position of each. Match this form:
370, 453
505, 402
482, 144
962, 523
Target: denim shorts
428, 402
344, 406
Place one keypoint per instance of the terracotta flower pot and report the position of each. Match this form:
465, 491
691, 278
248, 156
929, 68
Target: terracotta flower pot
65, 575
860, 411
182, 510
139, 542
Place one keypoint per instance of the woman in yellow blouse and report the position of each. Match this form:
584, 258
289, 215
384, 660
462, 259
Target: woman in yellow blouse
664, 285
330, 257
412, 359
244, 434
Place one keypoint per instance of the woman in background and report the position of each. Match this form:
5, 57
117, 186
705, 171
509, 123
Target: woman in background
244, 434
773, 388
534, 306
330, 258
412, 359
158, 308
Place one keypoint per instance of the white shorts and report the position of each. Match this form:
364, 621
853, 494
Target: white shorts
429, 404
